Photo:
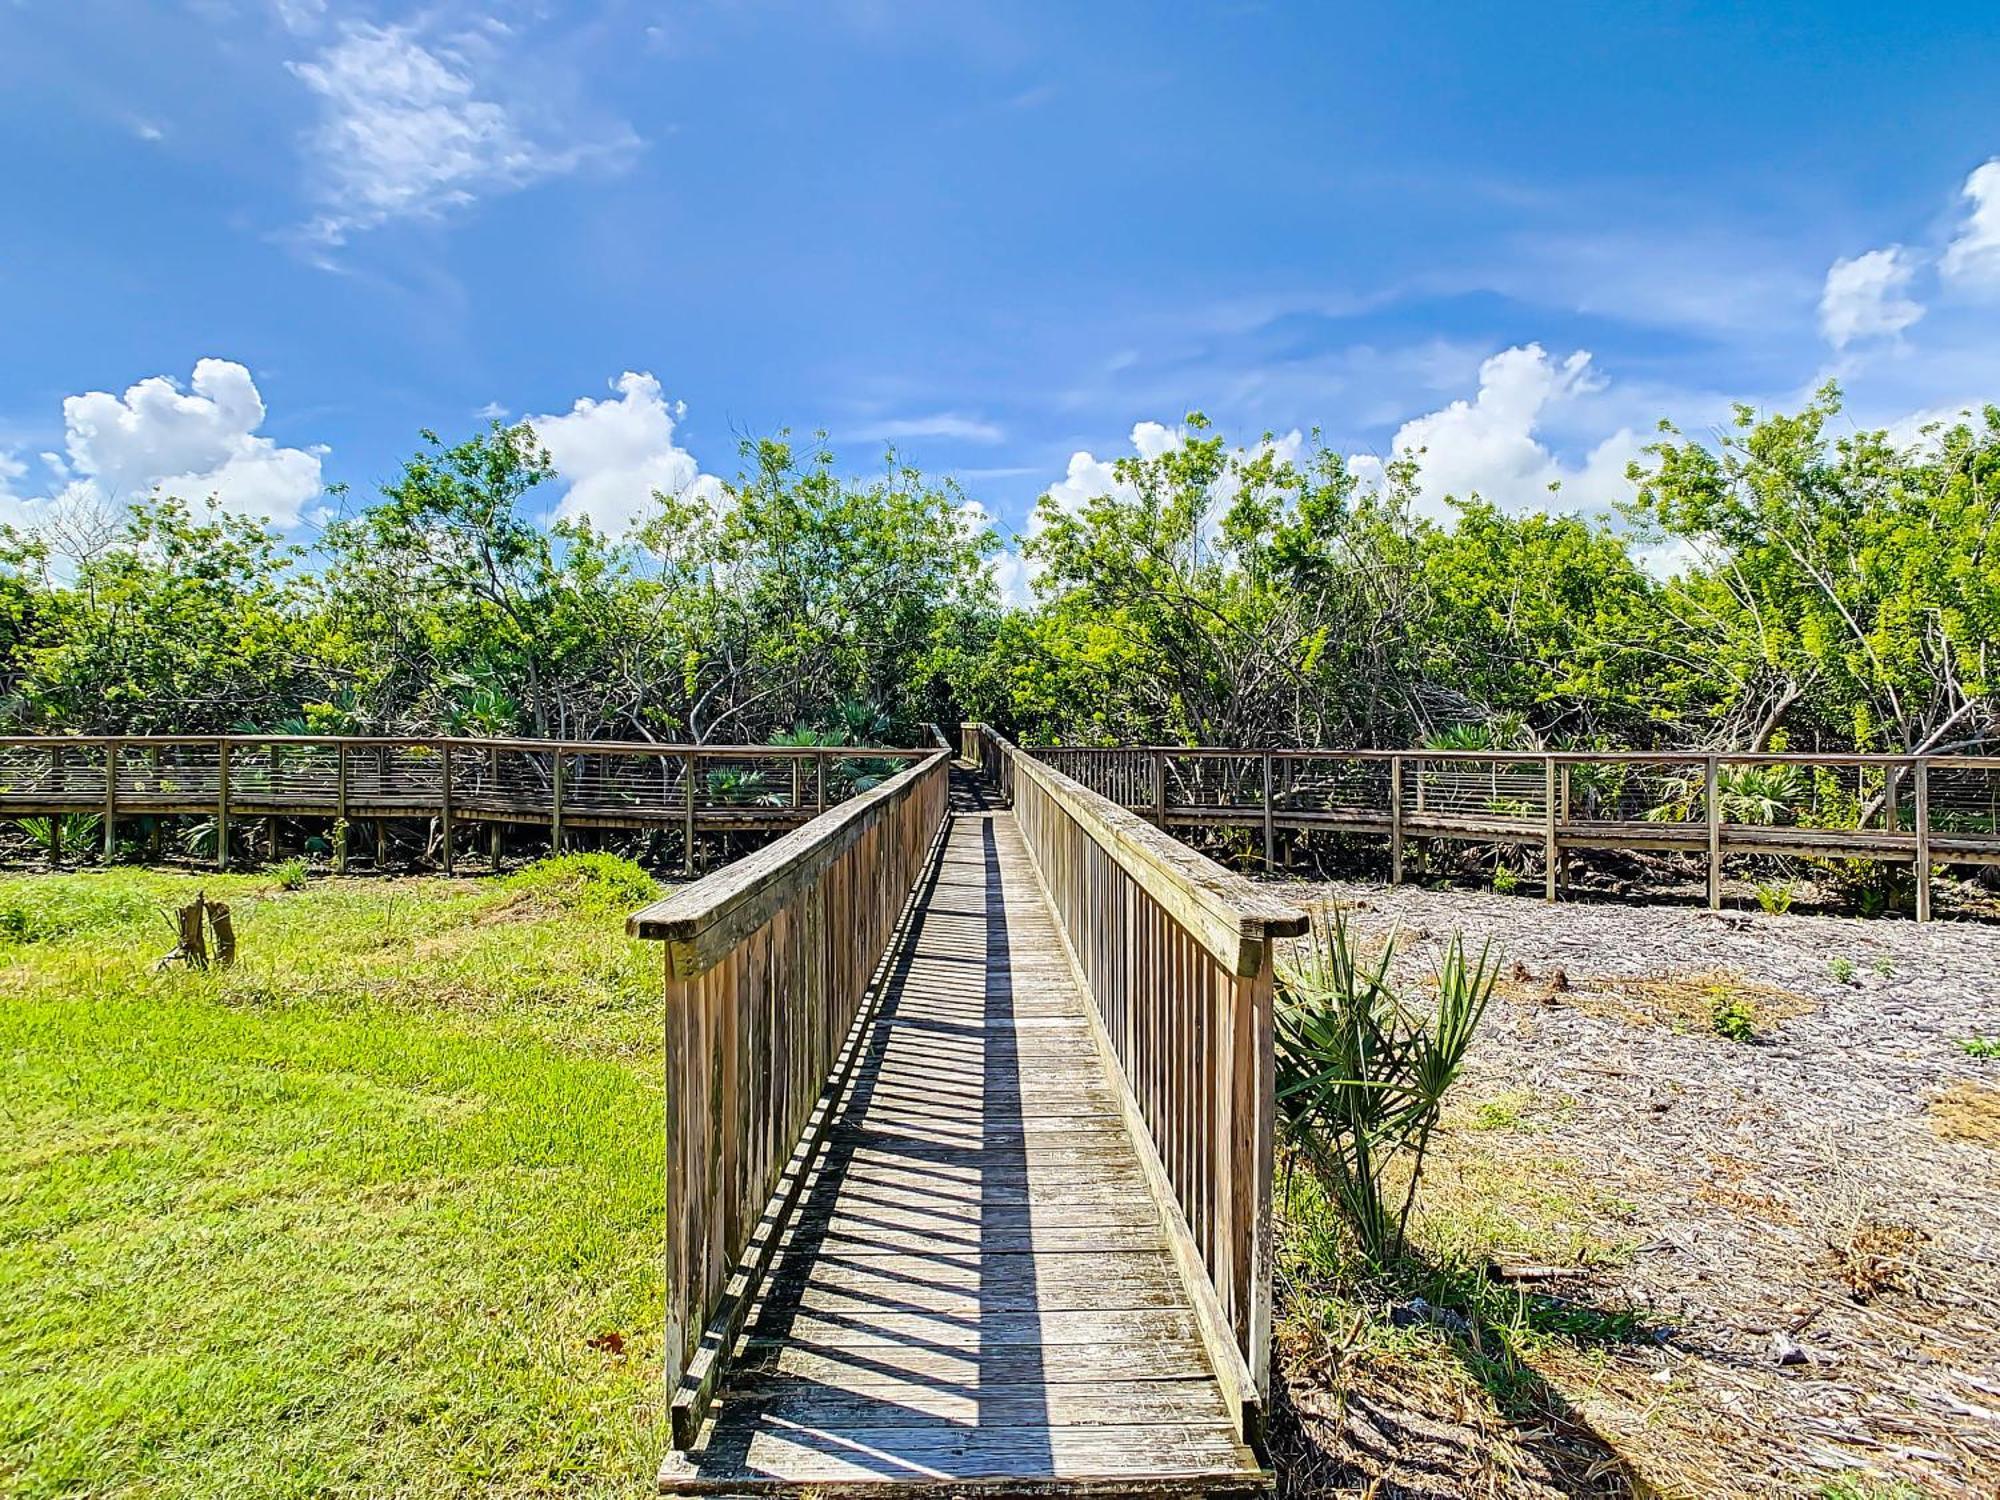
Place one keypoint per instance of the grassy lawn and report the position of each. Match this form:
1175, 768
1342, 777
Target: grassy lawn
377, 1212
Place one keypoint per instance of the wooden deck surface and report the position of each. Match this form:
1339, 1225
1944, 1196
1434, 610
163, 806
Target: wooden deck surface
976, 1292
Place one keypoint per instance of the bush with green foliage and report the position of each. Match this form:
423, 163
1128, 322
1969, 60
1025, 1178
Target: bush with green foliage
592, 882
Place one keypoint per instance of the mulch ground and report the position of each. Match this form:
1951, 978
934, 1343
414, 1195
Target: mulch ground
1810, 1219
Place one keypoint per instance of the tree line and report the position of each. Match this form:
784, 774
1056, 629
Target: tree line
1837, 590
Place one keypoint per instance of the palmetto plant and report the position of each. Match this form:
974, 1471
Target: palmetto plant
1362, 1075
731, 786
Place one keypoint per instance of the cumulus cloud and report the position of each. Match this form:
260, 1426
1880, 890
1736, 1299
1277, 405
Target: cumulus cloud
1493, 446
613, 454
196, 443
1867, 296
406, 133
1972, 258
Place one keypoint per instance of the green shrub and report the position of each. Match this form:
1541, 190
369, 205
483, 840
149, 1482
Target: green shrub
1362, 1075
1733, 1017
585, 883
1980, 1046
291, 875
1505, 881
1776, 900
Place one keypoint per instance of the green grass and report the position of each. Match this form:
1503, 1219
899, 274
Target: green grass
351, 1219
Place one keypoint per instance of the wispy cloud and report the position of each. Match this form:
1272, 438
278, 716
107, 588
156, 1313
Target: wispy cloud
409, 130
944, 424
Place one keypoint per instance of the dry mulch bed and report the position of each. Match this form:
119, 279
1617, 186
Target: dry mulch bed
1811, 1218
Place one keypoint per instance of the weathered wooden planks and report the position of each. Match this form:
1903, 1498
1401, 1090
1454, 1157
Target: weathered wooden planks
975, 1290
1174, 955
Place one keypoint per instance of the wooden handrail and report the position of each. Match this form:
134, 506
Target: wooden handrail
768, 961
1175, 955
1912, 810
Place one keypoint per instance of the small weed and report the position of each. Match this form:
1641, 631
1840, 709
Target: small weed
1986, 1047
1866, 1487
1505, 881
1882, 968
1842, 970
1878, 1256
1733, 1017
291, 875
1776, 900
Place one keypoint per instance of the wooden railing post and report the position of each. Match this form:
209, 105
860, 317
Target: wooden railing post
1712, 799
556, 801
340, 829
110, 801
1920, 790
444, 810
1551, 855
692, 766
1270, 821
1159, 789
1395, 820
222, 804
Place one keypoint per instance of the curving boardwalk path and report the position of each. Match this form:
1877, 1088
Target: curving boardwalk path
975, 1293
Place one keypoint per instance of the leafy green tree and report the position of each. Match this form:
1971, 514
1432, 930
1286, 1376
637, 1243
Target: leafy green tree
1550, 618
186, 623
1850, 585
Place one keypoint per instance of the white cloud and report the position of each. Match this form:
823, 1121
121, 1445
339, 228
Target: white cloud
1491, 445
193, 444
1973, 257
944, 424
404, 133
613, 455
1866, 296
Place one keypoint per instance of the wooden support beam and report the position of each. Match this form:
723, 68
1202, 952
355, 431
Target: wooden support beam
555, 803
444, 811
1551, 852
110, 801
1159, 789
1270, 824
1712, 809
1921, 791
1395, 820
340, 809
222, 805
691, 766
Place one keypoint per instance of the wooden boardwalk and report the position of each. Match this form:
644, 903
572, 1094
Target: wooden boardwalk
975, 1290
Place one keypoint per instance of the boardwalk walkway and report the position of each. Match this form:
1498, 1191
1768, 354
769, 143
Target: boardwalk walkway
975, 1291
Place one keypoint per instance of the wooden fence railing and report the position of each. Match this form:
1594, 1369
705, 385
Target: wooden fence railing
768, 961
1920, 811
695, 789
1175, 955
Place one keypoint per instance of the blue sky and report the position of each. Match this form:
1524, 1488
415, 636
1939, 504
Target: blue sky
252, 246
